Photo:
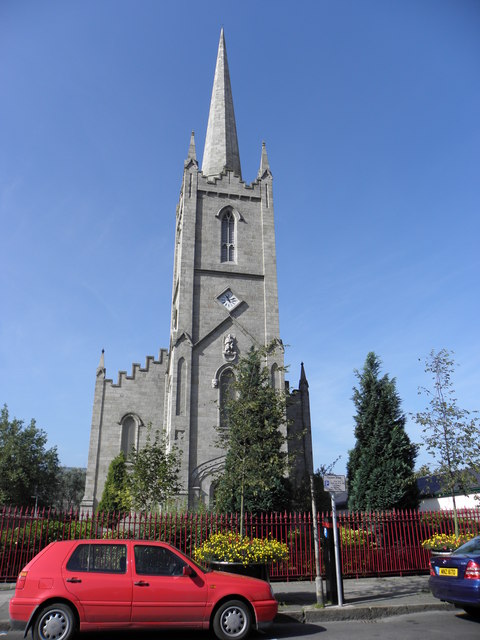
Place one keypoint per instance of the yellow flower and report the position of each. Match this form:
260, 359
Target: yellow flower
231, 547
445, 542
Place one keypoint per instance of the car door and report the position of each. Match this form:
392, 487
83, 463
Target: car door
161, 591
97, 574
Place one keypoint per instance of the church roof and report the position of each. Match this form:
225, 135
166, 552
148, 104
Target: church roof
221, 144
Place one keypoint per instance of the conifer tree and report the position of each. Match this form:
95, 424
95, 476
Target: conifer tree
380, 468
256, 459
116, 496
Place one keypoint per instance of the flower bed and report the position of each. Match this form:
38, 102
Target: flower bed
231, 547
443, 542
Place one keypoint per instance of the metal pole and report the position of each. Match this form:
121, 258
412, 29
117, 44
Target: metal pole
318, 576
338, 570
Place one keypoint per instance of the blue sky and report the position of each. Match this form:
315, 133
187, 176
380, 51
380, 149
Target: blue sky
370, 112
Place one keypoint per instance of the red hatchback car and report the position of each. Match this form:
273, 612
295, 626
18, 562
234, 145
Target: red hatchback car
118, 584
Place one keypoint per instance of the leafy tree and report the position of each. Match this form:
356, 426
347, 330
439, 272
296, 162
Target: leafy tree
251, 434
71, 487
451, 434
28, 470
153, 478
380, 468
116, 496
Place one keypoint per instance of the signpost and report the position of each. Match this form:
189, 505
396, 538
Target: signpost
335, 484
318, 575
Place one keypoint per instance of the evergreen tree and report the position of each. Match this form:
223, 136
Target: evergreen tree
450, 433
116, 496
380, 468
256, 460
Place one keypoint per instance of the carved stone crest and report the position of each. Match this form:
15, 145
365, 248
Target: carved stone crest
229, 347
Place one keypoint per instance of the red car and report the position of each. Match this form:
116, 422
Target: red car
117, 584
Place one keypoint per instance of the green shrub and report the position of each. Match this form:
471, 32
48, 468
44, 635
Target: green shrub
356, 537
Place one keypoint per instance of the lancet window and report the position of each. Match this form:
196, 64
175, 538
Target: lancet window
228, 237
129, 434
226, 392
180, 408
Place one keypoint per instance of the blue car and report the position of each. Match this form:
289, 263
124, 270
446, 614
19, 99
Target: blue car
456, 578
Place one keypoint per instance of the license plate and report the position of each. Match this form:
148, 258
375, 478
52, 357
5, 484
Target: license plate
447, 571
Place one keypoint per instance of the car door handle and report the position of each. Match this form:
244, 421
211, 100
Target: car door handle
73, 580
141, 583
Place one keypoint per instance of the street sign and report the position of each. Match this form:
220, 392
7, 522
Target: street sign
334, 484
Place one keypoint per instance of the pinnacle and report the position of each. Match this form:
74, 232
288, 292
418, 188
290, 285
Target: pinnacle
101, 364
264, 164
303, 378
192, 154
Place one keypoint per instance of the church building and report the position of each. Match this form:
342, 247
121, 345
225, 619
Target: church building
224, 300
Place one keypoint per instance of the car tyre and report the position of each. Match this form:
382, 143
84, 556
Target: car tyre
54, 622
232, 620
473, 611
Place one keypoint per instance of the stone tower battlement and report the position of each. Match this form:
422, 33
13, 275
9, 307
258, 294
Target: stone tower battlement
229, 177
150, 362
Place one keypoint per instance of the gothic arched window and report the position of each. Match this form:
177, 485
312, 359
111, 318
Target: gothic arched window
226, 393
129, 434
180, 404
228, 237
275, 377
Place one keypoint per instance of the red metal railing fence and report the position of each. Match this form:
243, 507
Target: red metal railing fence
372, 544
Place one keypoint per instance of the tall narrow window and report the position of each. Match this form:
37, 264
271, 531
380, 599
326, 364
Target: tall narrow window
228, 237
129, 429
180, 407
275, 377
226, 393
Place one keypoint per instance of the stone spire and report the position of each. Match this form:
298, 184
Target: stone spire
221, 144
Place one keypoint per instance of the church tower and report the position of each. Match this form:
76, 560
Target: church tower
224, 286
224, 301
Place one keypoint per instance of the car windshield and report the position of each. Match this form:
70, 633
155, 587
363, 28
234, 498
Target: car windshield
195, 563
470, 547
199, 566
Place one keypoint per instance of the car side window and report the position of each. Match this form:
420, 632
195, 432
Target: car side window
99, 558
157, 561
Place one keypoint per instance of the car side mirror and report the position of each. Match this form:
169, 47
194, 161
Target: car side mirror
188, 571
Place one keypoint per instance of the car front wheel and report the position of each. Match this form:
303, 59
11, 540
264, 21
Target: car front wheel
232, 620
54, 622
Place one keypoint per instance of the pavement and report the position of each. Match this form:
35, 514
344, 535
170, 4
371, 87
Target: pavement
364, 599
